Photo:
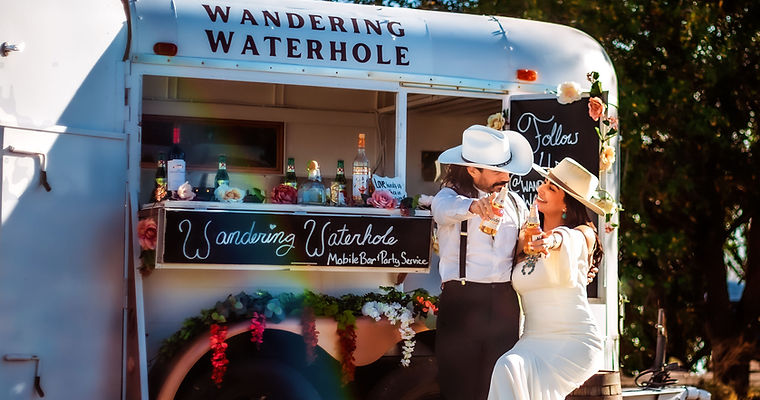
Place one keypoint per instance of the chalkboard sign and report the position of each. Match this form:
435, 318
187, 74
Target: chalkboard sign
555, 131
252, 240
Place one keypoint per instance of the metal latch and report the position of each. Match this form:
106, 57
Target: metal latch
43, 164
29, 357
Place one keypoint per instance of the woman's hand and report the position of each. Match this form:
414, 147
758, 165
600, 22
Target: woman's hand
592, 274
482, 207
549, 240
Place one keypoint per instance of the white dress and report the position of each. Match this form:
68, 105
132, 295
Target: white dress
560, 347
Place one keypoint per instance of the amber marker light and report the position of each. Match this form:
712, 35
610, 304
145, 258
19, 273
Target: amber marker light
527, 75
165, 49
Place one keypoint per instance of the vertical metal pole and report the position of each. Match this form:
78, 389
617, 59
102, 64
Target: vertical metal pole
399, 160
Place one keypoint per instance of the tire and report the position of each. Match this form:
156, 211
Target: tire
416, 382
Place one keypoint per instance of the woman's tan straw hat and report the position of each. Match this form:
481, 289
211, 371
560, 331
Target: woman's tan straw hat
575, 181
485, 147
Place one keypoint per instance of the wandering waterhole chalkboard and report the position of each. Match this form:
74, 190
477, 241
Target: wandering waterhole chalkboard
257, 240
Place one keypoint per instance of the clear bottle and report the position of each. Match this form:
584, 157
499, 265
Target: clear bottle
159, 188
491, 226
313, 191
176, 165
532, 229
290, 173
338, 186
222, 177
360, 172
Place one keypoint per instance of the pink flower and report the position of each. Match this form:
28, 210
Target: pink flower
596, 108
613, 122
147, 233
257, 327
382, 199
284, 194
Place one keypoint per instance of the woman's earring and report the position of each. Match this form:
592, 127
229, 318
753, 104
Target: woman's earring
564, 214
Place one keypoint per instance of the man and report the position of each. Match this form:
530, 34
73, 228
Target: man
478, 317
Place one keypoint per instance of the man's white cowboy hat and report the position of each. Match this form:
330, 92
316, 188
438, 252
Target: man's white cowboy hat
484, 147
574, 180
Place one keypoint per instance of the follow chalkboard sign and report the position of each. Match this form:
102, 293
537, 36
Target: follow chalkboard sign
555, 131
255, 240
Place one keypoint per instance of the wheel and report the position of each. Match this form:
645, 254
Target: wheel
416, 382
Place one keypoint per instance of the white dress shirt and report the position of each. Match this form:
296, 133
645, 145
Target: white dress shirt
489, 258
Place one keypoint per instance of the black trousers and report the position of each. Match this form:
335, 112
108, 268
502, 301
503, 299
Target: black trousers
477, 323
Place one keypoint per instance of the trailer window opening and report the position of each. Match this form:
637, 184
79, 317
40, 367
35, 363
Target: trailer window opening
254, 146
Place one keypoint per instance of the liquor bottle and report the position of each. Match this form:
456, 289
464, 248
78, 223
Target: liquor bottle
338, 186
159, 189
222, 177
491, 225
290, 174
313, 191
176, 164
360, 173
532, 229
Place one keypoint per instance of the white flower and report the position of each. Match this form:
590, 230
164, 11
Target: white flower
370, 309
185, 191
425, 200
228, 194
608, 205
496, 121
395, 313
568, 92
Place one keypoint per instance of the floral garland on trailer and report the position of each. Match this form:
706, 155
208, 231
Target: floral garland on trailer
401, 308
257, 328
219, 359
598, 110
395, 313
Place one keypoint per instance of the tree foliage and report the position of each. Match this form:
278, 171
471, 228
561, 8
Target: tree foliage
689, 76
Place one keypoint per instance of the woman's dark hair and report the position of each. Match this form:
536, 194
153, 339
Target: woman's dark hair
577, 214
457, 178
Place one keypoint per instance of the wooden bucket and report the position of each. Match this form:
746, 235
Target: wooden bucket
604, 385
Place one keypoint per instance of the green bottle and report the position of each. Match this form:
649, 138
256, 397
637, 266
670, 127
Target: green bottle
159, 190
338, 186
222, 177
290, 174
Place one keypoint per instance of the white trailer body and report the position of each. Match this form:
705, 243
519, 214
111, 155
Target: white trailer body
89, 75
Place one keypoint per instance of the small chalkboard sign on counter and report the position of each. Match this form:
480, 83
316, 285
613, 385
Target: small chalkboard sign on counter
250, 239
555, 131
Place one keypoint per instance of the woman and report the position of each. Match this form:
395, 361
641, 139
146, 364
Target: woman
560, 347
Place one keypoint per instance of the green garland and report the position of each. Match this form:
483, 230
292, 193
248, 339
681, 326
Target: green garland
240, 307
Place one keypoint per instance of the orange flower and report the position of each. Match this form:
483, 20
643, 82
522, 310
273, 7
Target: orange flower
596, 108
606, 158
147, 233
